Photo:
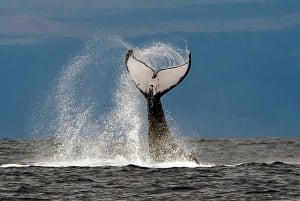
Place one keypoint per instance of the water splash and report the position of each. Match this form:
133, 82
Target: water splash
161, 55
94, 112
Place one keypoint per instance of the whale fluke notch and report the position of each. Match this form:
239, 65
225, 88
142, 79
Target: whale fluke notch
162, 81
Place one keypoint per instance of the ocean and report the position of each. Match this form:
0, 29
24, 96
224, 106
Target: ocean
88, 141
230, 169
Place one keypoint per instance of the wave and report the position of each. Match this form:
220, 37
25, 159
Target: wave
12, 165
115, 162
123, 162
261, 164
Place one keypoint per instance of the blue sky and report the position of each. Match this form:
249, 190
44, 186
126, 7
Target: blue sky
246, 58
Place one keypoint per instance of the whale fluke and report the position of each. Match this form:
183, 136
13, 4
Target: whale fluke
153, 86
161, 81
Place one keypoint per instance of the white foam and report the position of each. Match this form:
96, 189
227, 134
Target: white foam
116, 162
187, 164
13, 165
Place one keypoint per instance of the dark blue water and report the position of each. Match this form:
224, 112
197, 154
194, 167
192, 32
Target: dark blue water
232, 169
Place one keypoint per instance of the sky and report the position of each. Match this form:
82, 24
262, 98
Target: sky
244, 80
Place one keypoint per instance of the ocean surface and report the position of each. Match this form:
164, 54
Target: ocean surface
230, 169
97, 122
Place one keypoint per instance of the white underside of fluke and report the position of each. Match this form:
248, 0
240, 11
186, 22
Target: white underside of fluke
145, 78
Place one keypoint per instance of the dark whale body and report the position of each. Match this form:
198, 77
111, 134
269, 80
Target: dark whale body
153, 85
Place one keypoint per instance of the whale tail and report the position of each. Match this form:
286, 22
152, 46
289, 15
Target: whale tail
154, 83
162, 145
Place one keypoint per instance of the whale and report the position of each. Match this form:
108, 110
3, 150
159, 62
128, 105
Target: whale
153, 85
